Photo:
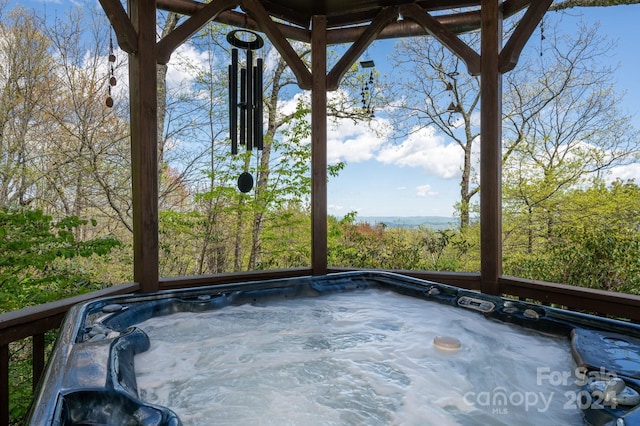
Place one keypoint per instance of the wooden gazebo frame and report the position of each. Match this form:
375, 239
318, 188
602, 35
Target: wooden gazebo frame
320, 24
358, 22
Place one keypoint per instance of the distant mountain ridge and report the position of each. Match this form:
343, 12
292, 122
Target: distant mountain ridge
432, 222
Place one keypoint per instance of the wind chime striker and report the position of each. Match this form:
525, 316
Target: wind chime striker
245, 98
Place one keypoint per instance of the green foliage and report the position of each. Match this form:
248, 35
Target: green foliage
591, 239
287, 239
362, 245
36, 257
585, 256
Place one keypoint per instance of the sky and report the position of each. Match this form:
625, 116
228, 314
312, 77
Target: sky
419, 176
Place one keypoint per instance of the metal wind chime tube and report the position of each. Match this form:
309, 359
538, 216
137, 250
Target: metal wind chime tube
257, 96
233, 101
245, 114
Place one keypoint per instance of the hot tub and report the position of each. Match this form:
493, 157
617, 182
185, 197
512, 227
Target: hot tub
349, 348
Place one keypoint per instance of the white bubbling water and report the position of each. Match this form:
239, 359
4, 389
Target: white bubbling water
364, 358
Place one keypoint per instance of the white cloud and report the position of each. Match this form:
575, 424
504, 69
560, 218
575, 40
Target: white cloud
424, 148
288, 106
354, 142
424, 191
626, 172
346, 140
186, 62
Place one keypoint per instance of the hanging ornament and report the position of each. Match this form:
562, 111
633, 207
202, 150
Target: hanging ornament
112, 79
453, 107
542, 37
366, 91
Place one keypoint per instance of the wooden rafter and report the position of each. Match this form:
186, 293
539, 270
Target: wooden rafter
300, 70
168, 44
441, 33
386, 16
125, 32
513, 48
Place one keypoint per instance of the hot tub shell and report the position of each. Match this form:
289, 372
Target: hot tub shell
90, 377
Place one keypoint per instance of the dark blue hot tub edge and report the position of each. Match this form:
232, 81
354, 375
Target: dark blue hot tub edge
109, 407
90, 391
95, 393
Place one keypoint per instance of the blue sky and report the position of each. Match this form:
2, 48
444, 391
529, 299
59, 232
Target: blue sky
420, 176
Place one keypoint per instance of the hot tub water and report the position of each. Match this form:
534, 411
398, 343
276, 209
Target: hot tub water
346, 359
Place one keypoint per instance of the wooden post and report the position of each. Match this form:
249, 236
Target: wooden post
4, 384
144, 142
490, 150
319, 145
38, 347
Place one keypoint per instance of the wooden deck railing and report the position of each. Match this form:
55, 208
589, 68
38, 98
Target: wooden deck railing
34, 322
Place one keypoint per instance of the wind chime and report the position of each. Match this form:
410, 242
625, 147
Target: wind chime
453, 106
245, 98
542, 37
366, 91
112, 79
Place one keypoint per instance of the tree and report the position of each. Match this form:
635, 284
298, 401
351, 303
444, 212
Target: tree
563, 130
438, 92
27, 78
565, 98
281, 169
87, 167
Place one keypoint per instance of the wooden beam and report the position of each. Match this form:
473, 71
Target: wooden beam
233, 18
386, 16
513, 48
490, 148
300, 70
168, 44
602, 302
144, 145
319, 145
441, 33
511, 7
125, 32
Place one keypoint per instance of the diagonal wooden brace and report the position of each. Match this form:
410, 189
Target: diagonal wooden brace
441, 33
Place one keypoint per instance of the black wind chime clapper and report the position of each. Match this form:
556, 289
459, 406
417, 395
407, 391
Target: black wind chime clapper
245, 113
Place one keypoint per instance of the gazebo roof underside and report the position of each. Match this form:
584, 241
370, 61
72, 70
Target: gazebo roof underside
347, 18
